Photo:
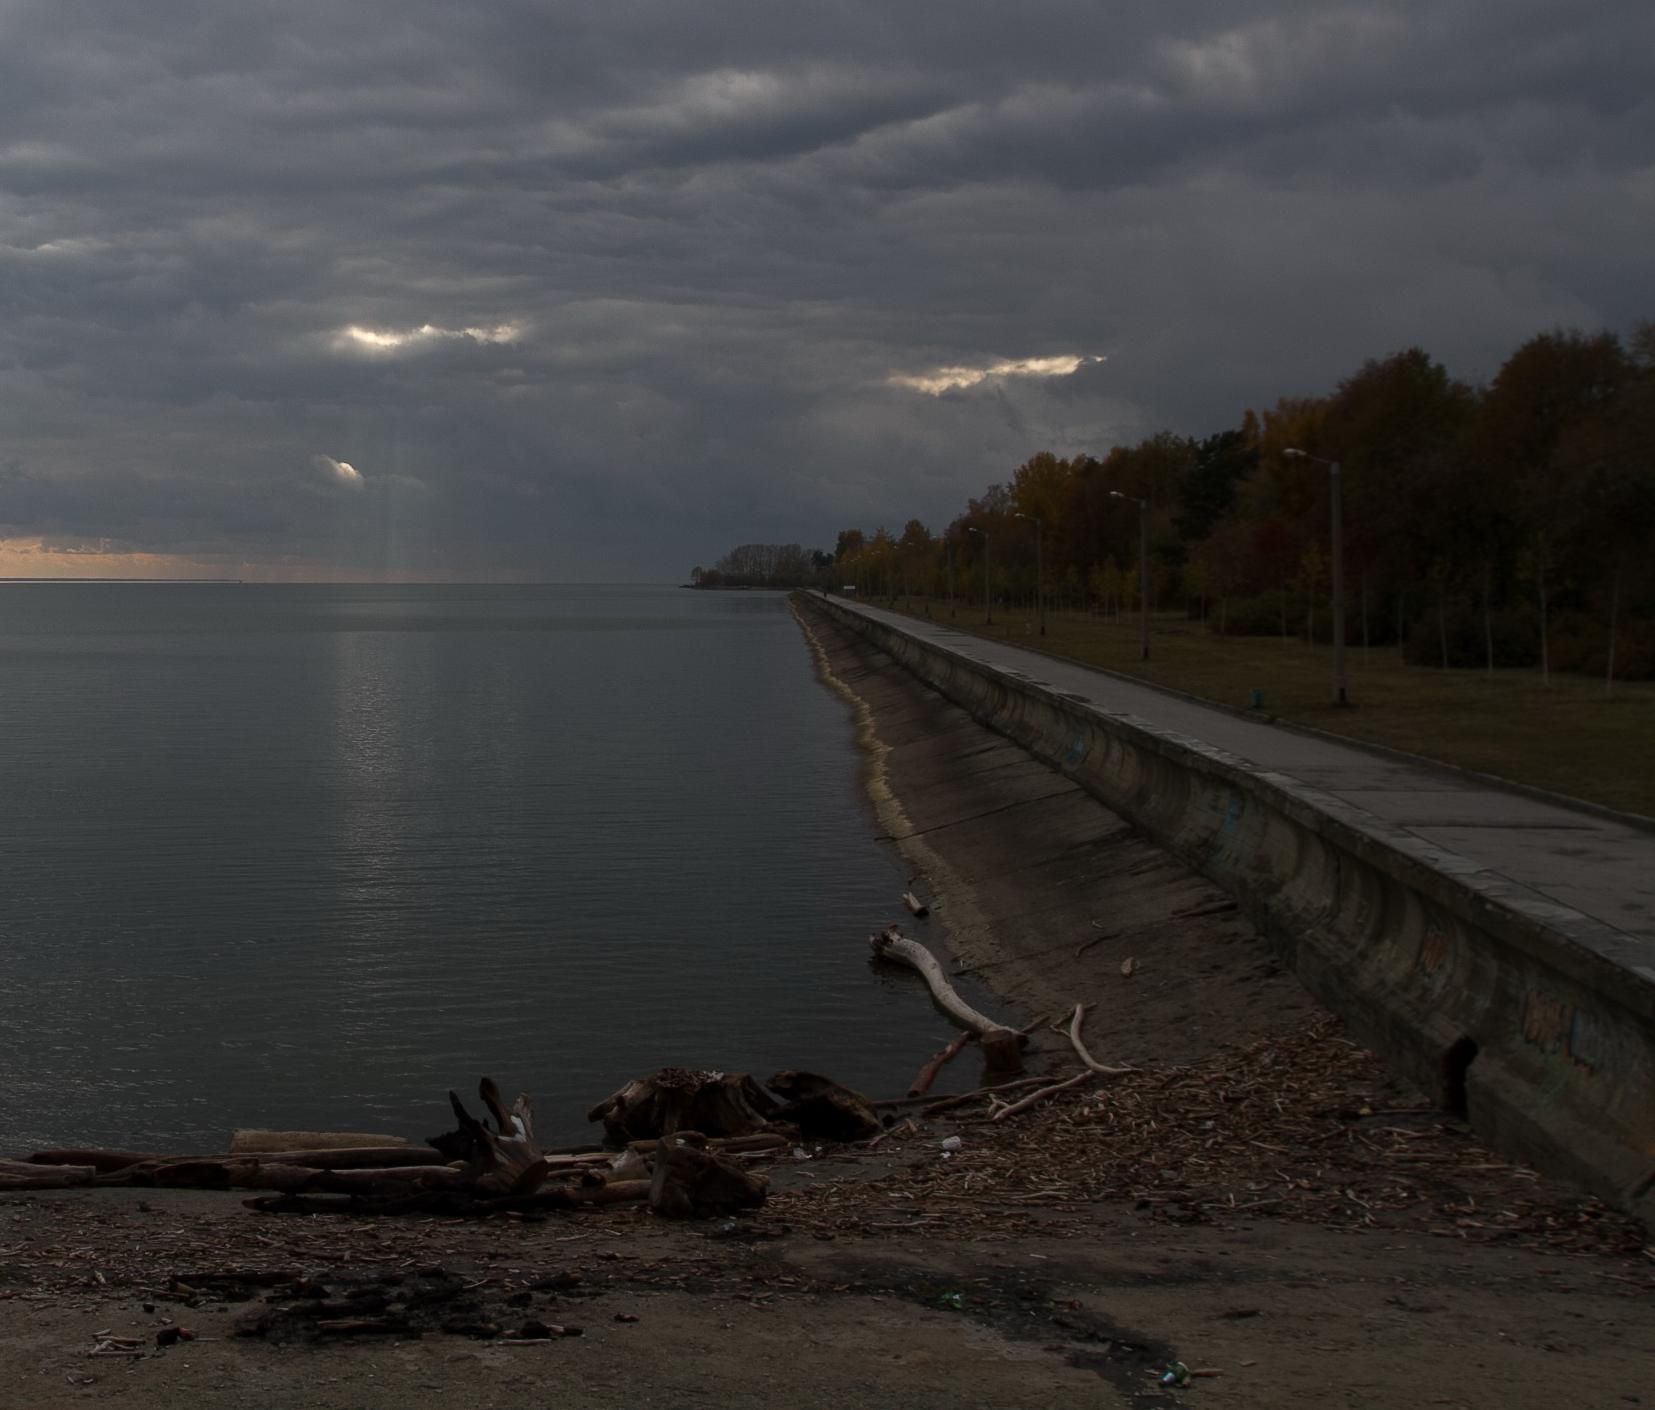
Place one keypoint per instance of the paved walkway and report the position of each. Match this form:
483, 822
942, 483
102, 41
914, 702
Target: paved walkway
1592, 864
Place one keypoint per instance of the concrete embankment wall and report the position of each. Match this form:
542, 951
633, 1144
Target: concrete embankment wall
1518, 1012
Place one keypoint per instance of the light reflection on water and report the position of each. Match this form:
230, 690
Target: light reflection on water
309, 857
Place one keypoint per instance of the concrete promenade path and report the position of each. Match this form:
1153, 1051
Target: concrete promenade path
1572, 856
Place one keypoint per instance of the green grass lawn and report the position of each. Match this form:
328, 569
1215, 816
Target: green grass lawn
1565, 737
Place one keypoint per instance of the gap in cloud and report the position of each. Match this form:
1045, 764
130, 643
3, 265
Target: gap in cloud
342, 471
948, 379
355, 338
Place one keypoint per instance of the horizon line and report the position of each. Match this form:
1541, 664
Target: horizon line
357, 582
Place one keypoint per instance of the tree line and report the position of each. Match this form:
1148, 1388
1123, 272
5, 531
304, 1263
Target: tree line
1503, 525
764, 565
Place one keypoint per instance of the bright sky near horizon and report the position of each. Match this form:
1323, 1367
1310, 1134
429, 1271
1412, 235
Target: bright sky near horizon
596, 290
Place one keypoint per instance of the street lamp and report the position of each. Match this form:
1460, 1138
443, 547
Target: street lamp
1039, 574
948, 543
1143, 568
1339, 697
988, 602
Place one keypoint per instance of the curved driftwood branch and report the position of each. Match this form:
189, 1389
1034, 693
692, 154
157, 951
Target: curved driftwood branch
1034, 1098
928, 1073
1075, 1022
931, 1104
1002, 1044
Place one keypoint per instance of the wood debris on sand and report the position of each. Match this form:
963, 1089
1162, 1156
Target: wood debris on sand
1303, 1125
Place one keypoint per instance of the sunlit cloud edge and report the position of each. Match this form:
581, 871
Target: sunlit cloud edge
948, 379
357, 338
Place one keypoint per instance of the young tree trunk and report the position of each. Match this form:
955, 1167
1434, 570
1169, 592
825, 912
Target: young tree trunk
1442, 623
1401, 622
1614, 622
1364, 616
1284, 614
1545, 635
1488, 615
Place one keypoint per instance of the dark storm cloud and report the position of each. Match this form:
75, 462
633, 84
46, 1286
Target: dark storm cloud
594, 289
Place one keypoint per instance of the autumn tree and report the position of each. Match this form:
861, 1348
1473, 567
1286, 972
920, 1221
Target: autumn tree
1610, 508
1216, 466
1540, 434
913, 552
1397, 426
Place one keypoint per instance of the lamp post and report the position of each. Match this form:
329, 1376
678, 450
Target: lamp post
948, 542
1338, 530
1039, 574
988, 601
1143, 569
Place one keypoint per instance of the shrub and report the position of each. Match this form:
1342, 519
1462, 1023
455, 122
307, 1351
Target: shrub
1516, 634
1580, 642
1256, 616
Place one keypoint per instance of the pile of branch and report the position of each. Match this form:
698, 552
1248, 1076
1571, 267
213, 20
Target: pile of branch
1302, 1125
996, 1100
685, 1139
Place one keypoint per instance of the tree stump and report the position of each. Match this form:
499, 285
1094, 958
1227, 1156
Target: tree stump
677, 1099
504, 1161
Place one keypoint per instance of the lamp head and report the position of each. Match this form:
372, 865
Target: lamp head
1291, 454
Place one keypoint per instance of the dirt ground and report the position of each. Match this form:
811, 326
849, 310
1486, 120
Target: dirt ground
1258, 1200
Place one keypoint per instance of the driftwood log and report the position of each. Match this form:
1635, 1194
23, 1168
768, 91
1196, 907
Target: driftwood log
690, 1182
103, 1161
758, 1144
244, 1172
928, 1074
108, 1162
677, 1099
258, 1142
1002, 1045
25, 1175
459, 1203
824, 1110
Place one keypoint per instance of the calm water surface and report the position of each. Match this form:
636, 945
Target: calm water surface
310, 856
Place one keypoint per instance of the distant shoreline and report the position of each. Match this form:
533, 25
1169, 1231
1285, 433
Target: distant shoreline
218, 582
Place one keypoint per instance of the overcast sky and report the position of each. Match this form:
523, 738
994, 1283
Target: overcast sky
592, 291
